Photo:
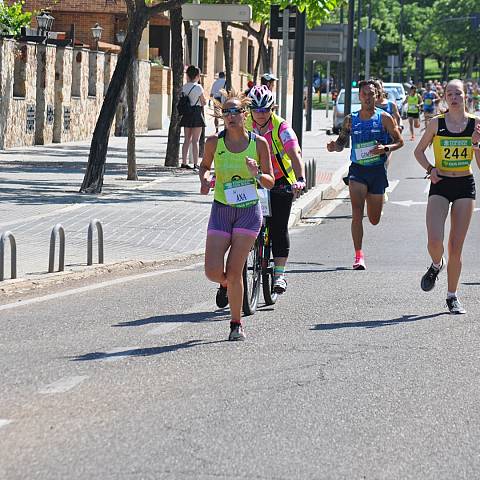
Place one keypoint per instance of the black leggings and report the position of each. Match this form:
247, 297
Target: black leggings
281, 203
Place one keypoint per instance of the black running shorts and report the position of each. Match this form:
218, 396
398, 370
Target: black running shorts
454, 188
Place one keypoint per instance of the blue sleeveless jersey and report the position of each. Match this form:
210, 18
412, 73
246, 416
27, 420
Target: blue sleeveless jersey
365, 135
428, 102
387, 108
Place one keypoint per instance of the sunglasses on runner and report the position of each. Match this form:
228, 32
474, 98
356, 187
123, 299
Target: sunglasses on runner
261, 110
232, 111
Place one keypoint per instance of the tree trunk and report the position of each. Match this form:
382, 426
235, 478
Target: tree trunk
132, 90
263, 48
188, 33
93, 179
257, 64
227, 56
173, 147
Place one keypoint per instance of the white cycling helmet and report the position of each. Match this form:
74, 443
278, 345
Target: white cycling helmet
261, 97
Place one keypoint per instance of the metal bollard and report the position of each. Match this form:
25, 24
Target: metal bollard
13, 255
57, 229
314, 173
94, 223
307, 168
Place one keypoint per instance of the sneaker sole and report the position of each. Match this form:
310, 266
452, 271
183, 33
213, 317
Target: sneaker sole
236, 339
279, 290
359, 267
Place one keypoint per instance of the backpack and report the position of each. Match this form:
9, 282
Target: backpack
183, 105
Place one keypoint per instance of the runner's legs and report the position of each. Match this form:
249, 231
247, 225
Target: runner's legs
358, 195
241, 245
186, 144
460, 217
375, 207
437, 211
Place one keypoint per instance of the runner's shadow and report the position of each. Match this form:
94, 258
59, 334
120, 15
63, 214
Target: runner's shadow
195, 317
471, 283
376, 323
141, 352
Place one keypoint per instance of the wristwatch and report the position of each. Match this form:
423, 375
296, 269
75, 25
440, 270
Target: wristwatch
386, 148
476, 145
300, 179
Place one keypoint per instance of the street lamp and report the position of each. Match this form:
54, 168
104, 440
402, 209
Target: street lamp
121, 36
97, 34
45, 22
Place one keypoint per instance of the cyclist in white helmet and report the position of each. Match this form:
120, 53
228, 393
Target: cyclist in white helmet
289, 172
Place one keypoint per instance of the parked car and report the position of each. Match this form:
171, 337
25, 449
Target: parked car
399, 92
338, 112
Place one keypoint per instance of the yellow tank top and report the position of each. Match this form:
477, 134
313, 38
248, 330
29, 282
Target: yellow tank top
234, 184
453, 151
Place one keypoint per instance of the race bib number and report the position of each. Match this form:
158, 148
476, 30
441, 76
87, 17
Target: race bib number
428, 102
456, 153
412, 108
264, 198
363, 155
241, 193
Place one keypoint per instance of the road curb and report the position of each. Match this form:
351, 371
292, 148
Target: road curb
47, 280
312, 199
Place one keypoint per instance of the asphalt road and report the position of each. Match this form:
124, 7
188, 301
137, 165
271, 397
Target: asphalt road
352, 375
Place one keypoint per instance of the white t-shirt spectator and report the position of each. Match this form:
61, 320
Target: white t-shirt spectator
218, 84
196, 91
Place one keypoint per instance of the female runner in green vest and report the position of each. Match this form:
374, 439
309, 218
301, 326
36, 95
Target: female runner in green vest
241, 160
454, 136
414, 103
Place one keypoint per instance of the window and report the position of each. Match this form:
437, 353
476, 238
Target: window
202, 53
159, 38
92, 74
243, 54
219, 60
250, 57
76, 73
19, 72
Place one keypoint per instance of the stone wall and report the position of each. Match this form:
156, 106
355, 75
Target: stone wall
55, 94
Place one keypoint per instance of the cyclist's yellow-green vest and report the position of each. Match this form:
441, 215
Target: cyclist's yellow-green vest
283, 159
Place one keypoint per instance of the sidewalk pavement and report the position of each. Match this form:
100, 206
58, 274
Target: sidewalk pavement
159, 217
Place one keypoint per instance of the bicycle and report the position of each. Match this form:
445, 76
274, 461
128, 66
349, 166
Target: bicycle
259, 267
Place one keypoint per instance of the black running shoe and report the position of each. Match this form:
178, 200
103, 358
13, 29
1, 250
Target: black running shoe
454, 306
221, 298
429, 279
346, 180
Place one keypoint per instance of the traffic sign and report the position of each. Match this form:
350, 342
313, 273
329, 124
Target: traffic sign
393, 61
276, 22
362, 39
217, 12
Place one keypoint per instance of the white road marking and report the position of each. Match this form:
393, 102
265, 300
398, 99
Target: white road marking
4, 422
164, 328
63, 385
392, 186
322, 214
427, 187
409, 203
110, 355
97, 286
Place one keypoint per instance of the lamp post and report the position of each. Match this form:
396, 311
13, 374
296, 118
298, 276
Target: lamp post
97, 34
44, 22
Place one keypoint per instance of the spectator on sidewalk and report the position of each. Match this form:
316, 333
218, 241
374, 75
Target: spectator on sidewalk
218, 85
269, 80
195, 120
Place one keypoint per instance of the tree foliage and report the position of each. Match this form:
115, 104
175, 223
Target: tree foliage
13, 18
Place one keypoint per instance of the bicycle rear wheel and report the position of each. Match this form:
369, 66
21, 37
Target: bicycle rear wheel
267, 278
251, 280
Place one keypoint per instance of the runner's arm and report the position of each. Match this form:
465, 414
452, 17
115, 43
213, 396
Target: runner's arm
339, 144
424, 143
266, 178
476, 140
396, 115
206, 164
391, 127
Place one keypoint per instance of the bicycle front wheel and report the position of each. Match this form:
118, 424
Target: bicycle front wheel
267, 278
251, 281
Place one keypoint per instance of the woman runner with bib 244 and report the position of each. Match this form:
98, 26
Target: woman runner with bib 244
241, 160
454, 136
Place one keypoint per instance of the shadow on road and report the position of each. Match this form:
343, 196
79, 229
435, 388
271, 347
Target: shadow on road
195, 317
377, 323
141, 352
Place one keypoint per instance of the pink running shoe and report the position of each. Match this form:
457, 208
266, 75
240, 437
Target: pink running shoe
359, 263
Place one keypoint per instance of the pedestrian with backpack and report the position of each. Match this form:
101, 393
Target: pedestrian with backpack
190, 106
